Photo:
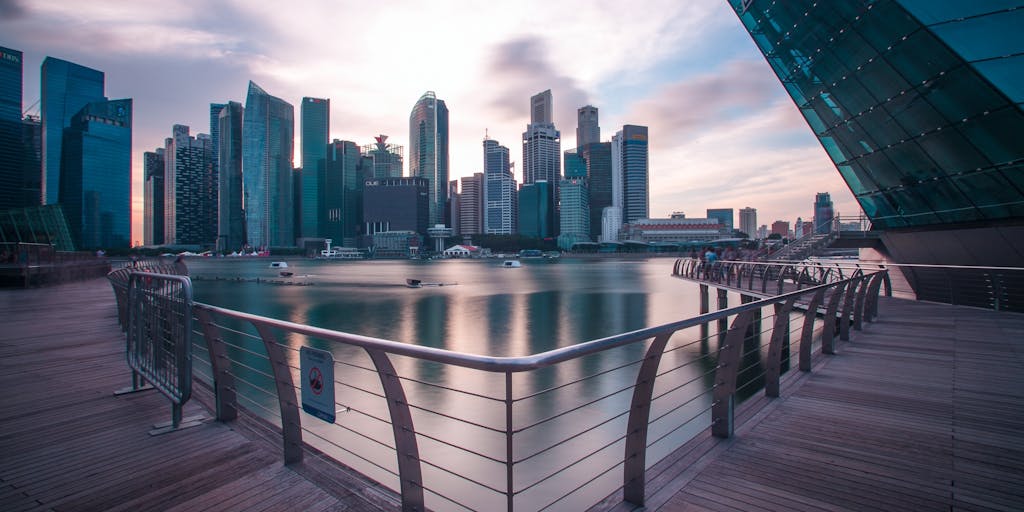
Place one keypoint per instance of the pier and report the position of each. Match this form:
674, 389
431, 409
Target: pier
923, 409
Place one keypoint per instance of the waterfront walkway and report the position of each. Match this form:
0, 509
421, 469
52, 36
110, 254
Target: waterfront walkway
67, 443
923, 410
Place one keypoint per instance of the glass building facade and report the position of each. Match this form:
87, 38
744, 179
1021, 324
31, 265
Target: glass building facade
428, 151
636, 195
917, 102
96, 178
12, 152
342, 193
190, 190
598, 158
395, 204
387, 158
499, 190
153, 197
316, 121
66, 88
230, 215
268, 129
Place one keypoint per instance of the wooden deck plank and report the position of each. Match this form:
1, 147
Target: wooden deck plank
69, 443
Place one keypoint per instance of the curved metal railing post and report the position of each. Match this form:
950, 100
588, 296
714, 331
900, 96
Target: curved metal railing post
634, 464
846, 316
722, 410
807, 332
780, 334
406, 448
291, 424
509, 453
828, 332
223, 379
876, 283
858, 308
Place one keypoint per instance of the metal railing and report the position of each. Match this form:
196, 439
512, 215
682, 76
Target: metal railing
772, 278
998, 288
555, 430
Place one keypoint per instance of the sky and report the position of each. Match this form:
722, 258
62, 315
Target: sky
722, 131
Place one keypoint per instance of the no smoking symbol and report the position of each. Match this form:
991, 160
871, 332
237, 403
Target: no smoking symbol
316, 381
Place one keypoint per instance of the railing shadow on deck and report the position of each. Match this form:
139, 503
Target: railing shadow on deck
562, 429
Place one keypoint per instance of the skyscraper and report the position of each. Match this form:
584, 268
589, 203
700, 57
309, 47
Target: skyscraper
823, 212
535, 212
12, 152
575, 212
343, 180
230, 215
748, 221
215, 110
387, 158
471, 204
542, 108
316, 121
598, 157
724, 216
153, 197
499, 190
428, 151
96, 175
635, 189
587, 128
190, 189
268, 129
919, 105
542, 146
395, 204
66, 88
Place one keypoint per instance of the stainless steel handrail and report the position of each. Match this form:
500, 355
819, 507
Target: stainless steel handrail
405, 437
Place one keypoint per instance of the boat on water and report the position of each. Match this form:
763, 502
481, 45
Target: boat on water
417, 283
510, 264
286, 273
279, 264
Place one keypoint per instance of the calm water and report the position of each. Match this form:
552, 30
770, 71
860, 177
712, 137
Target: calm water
489, 310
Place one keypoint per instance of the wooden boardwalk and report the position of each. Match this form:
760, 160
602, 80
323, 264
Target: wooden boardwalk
923, 410
67, 443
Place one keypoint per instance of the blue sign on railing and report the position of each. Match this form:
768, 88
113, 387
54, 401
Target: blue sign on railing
317, 374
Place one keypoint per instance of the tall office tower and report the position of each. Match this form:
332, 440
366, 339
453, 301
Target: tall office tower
574, 164
190, 189
724, 217
499, 190
428, 150
96, 175
32, 158
395, 204
542, 108
587, 129
598, 157
230, 215
575, 219
635, 190
471, 204
66, 88
215, 110
316, 121
919, 105
823, 213
12, 152
454, 199
268, 129
748, 221
387, 158
343, 179
153, 197
536, 218
541, 143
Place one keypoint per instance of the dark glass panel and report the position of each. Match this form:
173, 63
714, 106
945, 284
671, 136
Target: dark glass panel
828, 68
913, 163
882, 80
834, 152
881, 212
952, 152
853, 96
813, 120
885, 24
914, 210
961, 93
914, 114
935, 11
883, 128
858, 181
984, 37
852, 49
945, 199
881, 169
1007, 74
826, 108
999, 135
991, 193
921, 57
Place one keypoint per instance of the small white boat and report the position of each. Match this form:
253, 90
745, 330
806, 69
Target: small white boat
279, 264
510, 264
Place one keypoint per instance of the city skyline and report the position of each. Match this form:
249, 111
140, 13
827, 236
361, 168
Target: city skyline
718, 117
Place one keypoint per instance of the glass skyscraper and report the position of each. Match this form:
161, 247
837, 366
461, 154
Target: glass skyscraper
428, 151
535, 212
268, 129
66, 88
919, 105
316, 121
96, 178
499, 190
342, 192
190, 189
823, 213
598, 157
12, 152
724, 217
587, 128
635, 189
387, 158
153, 197
230, 215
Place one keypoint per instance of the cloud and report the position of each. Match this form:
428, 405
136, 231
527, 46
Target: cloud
12, 10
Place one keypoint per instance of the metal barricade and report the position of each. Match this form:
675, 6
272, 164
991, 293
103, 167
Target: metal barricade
159, 338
